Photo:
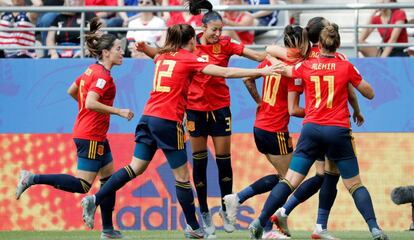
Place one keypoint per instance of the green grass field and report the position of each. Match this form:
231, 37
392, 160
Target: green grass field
61, 235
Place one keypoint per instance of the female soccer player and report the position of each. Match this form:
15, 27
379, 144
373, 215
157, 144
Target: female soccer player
208, 109
271, 132
325, 130
95, 92
161, 123
327, 175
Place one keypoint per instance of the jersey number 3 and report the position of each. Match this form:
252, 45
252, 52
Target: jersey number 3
158, 87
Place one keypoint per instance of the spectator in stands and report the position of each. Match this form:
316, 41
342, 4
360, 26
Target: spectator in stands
145, 20
388, 35
263, 17
111, 19
46, 19
66, 38
128, 3
17, 39
295, 14
185, 17
238, 19
165, 3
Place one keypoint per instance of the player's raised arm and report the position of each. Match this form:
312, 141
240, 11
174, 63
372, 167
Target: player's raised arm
231, 72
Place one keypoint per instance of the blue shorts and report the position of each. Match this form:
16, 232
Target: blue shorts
204, 123
92, 155
275, 143
152, 133
334, 142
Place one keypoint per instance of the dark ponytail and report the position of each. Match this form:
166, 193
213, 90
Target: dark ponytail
177, 36
195, 7
96, 41
297, 37
314, 28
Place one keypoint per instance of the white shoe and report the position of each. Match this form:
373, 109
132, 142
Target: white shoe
232, 206
320, 233
227, 224
281, 222
274, 235
208, 224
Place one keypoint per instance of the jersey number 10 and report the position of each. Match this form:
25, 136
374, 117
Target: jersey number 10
270, 88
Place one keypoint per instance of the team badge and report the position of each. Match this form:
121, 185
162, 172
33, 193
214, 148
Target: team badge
216, 49
190, 126
100, 150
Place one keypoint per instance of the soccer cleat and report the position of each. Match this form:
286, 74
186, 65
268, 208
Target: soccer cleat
274, 235
208, 224
378, 234
232, 206
25, 181
281, 222
255, 230
88, 210
320, 233
189, 233
111, 234
227, 224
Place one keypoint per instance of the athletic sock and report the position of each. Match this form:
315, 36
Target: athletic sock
327, 196
264, 184
63, 182
225, 176
363, 202
200, 160
107, 208
186, 199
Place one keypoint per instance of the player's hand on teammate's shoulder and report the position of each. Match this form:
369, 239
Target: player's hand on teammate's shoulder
126, 113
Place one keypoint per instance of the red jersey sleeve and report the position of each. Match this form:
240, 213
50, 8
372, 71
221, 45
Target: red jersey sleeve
235, 47
354, 75
99, 84
198, 64
295, 85
263, 64
77, 81
297, 71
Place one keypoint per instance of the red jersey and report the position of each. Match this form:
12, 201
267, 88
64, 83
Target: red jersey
315, 52
172, 77
208, 93
178, 18
396, 15
246, 37
273, 114
89, 124
325, 82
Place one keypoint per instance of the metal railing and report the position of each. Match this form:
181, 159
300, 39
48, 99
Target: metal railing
356, 7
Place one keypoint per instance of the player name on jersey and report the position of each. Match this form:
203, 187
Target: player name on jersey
323, 66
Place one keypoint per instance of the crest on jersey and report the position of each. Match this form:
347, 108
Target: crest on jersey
298, 81
100, 83
216, 48
190, 126
100, 150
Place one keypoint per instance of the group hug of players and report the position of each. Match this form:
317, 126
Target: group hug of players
189, 80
